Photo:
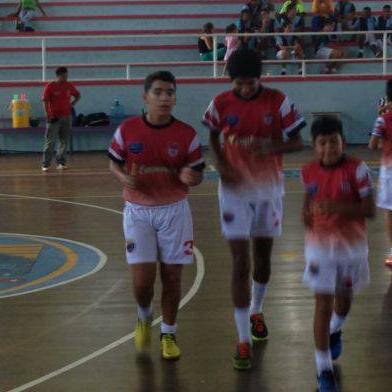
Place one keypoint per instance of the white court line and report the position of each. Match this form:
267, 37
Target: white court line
189, 295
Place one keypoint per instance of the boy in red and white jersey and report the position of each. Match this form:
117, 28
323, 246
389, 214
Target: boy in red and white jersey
382, 137
157, 158
337, 201
258, 124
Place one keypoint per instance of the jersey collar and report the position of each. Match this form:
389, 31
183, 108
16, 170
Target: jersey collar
172, 119
257, 94
339, 163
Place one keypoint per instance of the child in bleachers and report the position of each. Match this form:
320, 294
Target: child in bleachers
343, 11
384, 22
205, 44
367, 22
382, 132
232, 43
266, 25
26, 12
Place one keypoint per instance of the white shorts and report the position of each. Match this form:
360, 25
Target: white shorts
244, 215
384, 194
329, 273
158, 233
324, 53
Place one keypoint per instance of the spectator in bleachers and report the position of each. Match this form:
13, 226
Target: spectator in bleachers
244, 21
322, 10
205, 44
254, 8
232, 43
26, 12
367, 22
289, 47
323, 48
384, 22
266, 25
299, 6
343, 11
293, 17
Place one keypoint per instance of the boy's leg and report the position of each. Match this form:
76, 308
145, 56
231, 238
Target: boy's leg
388, 223
64, 135
50, 141
240, 288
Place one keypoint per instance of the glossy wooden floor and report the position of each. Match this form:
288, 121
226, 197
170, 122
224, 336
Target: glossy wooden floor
45, 331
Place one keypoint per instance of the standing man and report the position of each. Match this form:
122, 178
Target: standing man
58, 106
258, 124
157, 158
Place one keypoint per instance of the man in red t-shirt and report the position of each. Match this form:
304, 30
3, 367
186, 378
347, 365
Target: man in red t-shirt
58, 107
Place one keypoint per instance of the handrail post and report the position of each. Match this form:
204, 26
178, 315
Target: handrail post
303, 68
128, 71
384, 53
215, 55
43, 58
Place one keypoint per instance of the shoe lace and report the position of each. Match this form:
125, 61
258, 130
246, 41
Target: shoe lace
169, 339
258, 322
243, 350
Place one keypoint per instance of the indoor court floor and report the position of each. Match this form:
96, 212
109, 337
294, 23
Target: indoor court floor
77, 336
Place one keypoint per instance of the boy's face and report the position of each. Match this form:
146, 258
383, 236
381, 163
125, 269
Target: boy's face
160, 98
329, 148
63, 77
386, 11
246, 87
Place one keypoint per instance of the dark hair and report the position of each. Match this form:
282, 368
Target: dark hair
367, 9
231, 28
388, 89
61, 71
164, 76
245, 11
207, 26
326, 125
386, 7
244, 63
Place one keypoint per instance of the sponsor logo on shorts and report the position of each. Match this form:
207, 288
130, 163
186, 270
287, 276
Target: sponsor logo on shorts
314, 269
173, 150
232, 119
136, 148
130, 246
228, 217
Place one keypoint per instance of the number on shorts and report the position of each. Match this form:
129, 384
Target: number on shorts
188, 247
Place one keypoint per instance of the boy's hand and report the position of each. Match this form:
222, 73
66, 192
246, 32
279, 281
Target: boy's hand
190, 177
307, 218
327, 207
228, 175
131, 179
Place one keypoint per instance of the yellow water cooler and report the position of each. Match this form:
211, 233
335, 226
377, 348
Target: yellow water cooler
20, 109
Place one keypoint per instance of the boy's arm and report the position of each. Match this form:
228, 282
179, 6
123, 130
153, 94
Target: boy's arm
16, 13
374, 142
40, 8
125, 179
306, 212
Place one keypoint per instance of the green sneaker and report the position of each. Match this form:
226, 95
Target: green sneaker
242, 357
169, 348
258, 328
142, 334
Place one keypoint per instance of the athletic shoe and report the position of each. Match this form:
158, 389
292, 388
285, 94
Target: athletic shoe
258, 328
388, 261
45, 168
283, 72
242, 357
61, 166
142, 334
360, 55
335, 344
169, 348
326, 382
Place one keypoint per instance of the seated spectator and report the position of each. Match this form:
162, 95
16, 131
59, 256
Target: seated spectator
323, 48
291, 15
245, 20
232, 43
322, 10
289, 47
384, 22
26, 12
299, 6
254, 7
205, 44
266, 24
367, 22
343, 10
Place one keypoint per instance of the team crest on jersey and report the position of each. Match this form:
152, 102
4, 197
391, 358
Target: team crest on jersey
136, 148
312, 188
130, 246
228, 217
232, 119
173, 150
268, 119
346, 187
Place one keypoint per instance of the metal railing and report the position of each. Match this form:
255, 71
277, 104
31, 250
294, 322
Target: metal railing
215, 63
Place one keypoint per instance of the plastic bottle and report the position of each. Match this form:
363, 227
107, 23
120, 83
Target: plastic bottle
20, 109
117, 111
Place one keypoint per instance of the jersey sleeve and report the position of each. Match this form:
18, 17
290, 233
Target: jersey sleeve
363, 180
74, 92
195, 157
292, 122
117, 150
211, 118
379, 127
46, 93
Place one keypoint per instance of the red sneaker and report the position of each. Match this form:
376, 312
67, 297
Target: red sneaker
388, 261
242, 356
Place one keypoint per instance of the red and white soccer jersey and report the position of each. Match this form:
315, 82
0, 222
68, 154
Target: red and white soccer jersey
336, 250
159, 152
383, 129
246, 125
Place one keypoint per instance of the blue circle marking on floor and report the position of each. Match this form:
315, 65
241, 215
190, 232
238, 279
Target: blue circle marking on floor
31, 263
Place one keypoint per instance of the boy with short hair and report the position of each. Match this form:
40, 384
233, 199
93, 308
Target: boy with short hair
338, 199
157, 158
258, 125
382, 136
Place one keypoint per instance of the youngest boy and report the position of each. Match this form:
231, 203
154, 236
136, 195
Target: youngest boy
338, 198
